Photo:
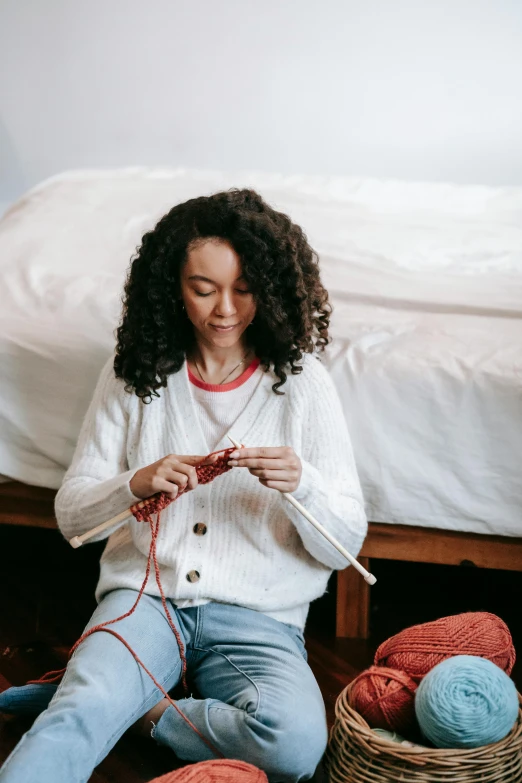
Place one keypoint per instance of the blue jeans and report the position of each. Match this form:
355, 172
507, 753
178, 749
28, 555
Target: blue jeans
259, 699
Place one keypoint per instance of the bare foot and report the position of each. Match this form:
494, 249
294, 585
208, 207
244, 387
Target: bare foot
144, 724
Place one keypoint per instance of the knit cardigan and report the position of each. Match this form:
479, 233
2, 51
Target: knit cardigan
259, 552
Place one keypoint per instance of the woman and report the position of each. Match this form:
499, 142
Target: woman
225, 313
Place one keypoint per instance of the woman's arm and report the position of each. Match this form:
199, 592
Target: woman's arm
96, 485
328, 485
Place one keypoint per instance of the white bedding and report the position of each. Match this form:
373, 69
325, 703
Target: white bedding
426, 281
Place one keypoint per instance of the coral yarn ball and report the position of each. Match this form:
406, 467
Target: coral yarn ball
385, 698
418, 649
218, 771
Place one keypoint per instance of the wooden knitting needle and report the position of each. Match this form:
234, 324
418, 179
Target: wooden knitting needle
369, 578
77, 541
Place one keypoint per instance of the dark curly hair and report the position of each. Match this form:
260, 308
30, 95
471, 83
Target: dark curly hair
278, 264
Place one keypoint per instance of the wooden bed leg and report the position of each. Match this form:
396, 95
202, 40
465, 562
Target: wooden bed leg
353, 603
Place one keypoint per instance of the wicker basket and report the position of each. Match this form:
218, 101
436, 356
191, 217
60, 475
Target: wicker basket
357, 755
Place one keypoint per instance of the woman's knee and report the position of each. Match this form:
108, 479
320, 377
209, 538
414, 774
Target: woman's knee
292, 745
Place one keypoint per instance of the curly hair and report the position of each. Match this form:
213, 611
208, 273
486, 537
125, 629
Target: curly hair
278, 264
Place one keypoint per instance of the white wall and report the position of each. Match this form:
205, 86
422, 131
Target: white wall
414, 89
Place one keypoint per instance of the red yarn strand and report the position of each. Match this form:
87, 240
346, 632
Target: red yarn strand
163, 691
155, 505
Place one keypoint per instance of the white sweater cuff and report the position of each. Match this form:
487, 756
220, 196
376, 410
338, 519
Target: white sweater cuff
102, 501
123, 494
311, 479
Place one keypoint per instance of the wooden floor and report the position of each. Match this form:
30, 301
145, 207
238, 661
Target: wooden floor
40, 621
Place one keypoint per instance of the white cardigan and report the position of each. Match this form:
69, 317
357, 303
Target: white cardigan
259, 552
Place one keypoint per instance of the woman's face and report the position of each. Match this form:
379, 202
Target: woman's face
215, 295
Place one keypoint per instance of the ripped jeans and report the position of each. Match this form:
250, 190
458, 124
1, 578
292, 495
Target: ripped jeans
258, 700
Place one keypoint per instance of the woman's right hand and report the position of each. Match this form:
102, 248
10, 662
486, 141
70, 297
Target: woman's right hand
169, 474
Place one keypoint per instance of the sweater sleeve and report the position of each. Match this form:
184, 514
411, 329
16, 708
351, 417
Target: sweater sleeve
96, 484
329, 488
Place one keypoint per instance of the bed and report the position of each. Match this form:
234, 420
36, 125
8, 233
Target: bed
426, 283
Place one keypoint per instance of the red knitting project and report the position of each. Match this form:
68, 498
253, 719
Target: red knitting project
206, 473
143, 512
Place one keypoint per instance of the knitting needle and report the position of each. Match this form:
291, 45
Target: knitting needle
369, 578
77, 541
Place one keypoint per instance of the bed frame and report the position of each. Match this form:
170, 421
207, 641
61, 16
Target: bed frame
418, 545
22, 504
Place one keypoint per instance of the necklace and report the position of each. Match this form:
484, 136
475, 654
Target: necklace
226, 376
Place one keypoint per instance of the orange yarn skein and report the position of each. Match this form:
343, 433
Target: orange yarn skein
418, 649
219, 771
385, 698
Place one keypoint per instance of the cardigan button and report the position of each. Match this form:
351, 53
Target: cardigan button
199, 529
193, 576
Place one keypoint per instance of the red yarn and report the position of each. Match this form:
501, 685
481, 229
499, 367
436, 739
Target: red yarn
143, 511
418, 649
215, 772
206, 473
385, 698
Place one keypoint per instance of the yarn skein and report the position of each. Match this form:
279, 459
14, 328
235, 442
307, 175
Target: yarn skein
392, 736
215, 771
385, 698
418, 649
466, 702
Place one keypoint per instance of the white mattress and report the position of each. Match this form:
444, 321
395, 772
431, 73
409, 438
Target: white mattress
426, 281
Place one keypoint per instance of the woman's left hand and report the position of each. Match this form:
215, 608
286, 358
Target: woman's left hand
277, 467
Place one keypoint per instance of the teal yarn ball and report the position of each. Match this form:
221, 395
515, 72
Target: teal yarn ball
466, 702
